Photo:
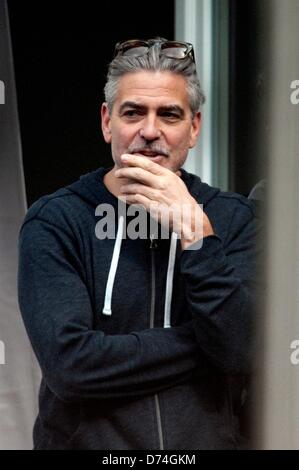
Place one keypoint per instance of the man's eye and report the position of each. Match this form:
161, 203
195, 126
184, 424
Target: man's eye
130, 113
170, 116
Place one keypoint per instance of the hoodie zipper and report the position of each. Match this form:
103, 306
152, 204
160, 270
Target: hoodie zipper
153, 245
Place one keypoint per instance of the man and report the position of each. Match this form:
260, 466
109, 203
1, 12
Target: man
142, 341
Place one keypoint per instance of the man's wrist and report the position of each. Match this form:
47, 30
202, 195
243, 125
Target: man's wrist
195, 232
187, 242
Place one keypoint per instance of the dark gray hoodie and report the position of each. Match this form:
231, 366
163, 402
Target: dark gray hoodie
137, 341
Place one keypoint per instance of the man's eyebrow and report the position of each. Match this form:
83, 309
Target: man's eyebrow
130, 104
172, 108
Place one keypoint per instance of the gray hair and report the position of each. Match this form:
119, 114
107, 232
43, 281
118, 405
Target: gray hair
155, 62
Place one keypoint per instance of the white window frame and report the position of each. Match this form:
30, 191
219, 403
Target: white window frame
204, 23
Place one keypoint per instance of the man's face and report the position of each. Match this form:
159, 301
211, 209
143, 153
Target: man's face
151, 116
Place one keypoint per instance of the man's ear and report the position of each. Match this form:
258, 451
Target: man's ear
106, 122
195, 129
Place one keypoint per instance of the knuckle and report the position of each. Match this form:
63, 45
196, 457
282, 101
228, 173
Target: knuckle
133, 188
138, 197
153, 194
137, 172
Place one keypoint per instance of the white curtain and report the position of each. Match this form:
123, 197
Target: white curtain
19, 373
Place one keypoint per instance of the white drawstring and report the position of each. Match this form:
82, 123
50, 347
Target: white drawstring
113, 267
169, 279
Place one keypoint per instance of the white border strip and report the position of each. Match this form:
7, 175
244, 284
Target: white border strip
194, 24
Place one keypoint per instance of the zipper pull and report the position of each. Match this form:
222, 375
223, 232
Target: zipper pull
153, 242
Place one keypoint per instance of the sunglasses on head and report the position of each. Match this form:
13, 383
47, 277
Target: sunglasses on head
171, 49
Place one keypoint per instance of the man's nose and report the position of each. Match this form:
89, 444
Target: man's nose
150, 129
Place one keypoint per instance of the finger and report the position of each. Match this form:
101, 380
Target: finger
137, 199
147, 191
140, 175
143, 162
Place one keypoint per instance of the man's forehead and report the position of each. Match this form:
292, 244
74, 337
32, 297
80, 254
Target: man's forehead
144, 86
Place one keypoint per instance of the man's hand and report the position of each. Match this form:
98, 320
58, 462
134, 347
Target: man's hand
165, 196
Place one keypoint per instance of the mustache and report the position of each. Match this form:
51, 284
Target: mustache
155, 148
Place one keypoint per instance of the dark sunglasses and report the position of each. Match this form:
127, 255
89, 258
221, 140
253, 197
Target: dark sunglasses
171, 49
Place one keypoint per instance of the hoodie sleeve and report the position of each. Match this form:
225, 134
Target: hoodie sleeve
78, 362
220, 280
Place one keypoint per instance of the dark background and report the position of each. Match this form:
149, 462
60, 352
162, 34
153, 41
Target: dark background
61, 51
249, 100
